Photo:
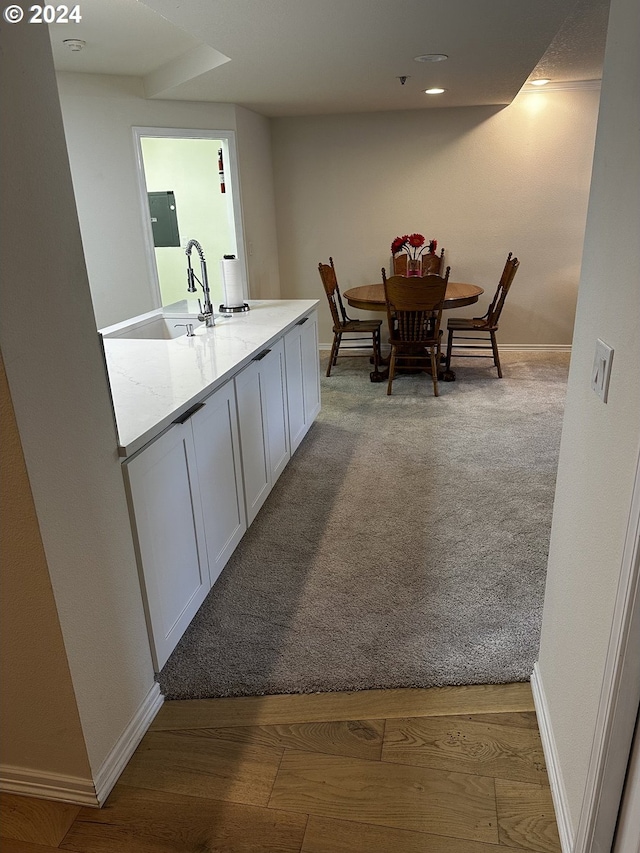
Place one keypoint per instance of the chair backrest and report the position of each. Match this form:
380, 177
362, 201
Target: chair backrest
414, 306
429, 263
400, 264
432, 263
508, 273
330, 282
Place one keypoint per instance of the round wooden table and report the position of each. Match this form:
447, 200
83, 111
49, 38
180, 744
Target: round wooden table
370, 297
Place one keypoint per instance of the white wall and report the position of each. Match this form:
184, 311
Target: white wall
377, 171
61, 399
34, 734
99, 112
87, 576
600, 442
253, 140
483, 181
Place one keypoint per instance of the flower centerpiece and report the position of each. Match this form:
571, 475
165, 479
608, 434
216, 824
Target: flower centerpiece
414, 246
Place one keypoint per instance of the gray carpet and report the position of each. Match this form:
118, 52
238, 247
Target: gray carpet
405, 544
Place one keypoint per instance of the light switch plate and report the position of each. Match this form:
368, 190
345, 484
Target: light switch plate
601, 369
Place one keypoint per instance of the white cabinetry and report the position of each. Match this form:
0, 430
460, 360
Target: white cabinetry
264, 426
303, 377
170, 536
195, 489
188, 508
217, 448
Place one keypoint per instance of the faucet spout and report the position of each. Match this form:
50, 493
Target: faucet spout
206, 309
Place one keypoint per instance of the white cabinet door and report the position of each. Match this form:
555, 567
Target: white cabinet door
217, 448
170, 536
295, 385
275, 390
303, 377
253, 439
264, 428
311, 369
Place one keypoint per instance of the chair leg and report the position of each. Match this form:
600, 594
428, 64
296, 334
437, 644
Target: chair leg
334, 353
392, 369
434, 371
496, 357
338, 342
376, 350
447, 364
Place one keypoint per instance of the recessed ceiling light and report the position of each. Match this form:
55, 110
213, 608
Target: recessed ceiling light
431, 57
541, 82
434, 91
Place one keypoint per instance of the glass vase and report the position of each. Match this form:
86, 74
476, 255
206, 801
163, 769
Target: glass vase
413, 267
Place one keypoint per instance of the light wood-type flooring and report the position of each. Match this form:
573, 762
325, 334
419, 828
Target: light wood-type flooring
449, 770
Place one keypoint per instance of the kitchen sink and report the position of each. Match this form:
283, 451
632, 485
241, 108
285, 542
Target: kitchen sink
155, 329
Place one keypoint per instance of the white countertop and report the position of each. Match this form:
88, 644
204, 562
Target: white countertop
155, 381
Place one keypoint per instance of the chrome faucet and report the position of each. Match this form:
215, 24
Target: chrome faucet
206, 310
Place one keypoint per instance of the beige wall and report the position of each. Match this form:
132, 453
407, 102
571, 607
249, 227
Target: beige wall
99, 112
34, 734
600, 442
60, 395
483, 181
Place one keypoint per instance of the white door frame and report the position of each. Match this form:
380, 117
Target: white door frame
619, 702
627, 838
231, 179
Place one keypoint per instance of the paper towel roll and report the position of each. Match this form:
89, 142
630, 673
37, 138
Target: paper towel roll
232, 283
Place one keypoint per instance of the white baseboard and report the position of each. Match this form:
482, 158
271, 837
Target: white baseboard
76, 789
535, 347
503, 348
556, 781
47, 786
126, 745
363, 350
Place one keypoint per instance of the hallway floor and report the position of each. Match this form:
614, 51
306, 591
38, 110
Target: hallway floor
451, 770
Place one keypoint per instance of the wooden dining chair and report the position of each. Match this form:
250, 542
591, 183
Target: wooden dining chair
429, 263
460, 327
414, 312
358, 330
432, 263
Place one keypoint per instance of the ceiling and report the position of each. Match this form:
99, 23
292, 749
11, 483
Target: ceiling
311, 57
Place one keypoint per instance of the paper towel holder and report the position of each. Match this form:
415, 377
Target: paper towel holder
235, 308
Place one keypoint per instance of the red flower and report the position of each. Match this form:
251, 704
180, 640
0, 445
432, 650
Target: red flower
398, 244
413, 245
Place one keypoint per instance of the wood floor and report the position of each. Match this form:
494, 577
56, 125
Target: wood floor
448, 770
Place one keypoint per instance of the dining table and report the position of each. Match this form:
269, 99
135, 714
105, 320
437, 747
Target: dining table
370, 297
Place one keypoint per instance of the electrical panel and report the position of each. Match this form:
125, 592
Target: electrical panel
164, 218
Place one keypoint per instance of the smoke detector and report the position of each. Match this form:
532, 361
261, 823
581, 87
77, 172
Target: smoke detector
74, 44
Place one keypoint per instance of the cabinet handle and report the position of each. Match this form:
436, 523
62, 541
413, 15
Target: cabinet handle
261, 355
300, 322
185, 417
